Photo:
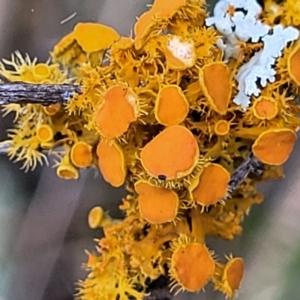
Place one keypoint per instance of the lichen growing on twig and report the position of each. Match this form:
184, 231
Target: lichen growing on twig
190, 115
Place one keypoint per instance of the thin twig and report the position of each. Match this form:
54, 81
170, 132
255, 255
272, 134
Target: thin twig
251, 164
45, 94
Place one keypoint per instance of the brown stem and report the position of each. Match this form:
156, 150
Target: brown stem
251, 164
45, 94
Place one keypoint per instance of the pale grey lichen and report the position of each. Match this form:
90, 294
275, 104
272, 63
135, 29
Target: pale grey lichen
237, 21
261, 65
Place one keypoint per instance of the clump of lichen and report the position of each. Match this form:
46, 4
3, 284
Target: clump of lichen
171, 114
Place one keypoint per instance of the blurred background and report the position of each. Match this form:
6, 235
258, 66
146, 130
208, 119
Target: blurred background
43, 220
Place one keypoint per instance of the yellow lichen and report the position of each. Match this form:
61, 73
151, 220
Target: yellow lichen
228, 277
142, 28
111, 162
216, 83
171, 106
98, 218
192, 265
265, 108
44, 133
66, 170
52, 109
118, 109
81, 155
210, 186
293, 65
157, 205
159, 110
165, 9
274, 146
93, 37
173, 153
222, 127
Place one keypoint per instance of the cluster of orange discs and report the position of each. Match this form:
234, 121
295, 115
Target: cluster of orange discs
156, 113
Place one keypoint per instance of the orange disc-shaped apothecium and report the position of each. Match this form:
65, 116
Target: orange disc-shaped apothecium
81, 155
274, 146
171, 106
52, 109
166, 9
118, 109
95, 217
180, 53
156, 204
294, 65
111, 162
142, 28
67, 172
265, 108
222, 127
44, 133
173, 153
93, 37
192, 266
211, 185
233, 275
41, 71
216, 85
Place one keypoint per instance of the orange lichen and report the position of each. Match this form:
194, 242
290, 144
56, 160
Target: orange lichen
93, 37
173, 153
66, 170
52, 109
227, 278
81, 155
215, 81
293, 64
274, 146
64, 44
149, 105
41, 71
210, 186
222, 127
111, 162
119, 50
142, 28
153, 20
44, 133
166, 9
192, 266
265, 108
97, 218
232, 276
119, 108
289, 12
179, 52
171, 106
156, 204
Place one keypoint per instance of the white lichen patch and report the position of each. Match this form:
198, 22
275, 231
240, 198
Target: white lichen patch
183, 50
238, 22
261, 65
